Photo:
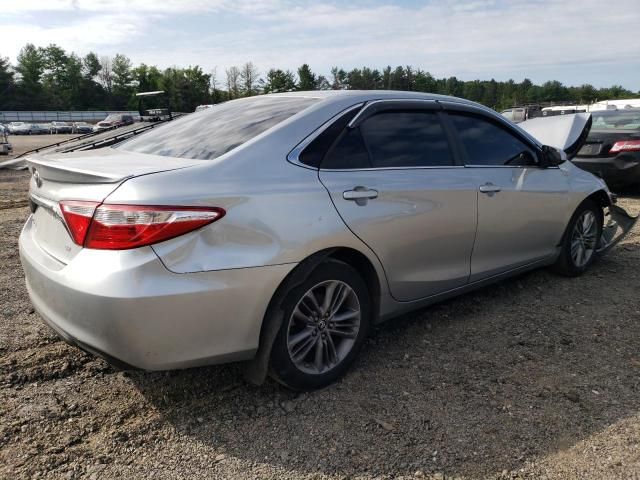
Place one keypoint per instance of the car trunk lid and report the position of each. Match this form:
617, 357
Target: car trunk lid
84, 176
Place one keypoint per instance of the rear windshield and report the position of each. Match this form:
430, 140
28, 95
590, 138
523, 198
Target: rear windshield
618, 120
215, 131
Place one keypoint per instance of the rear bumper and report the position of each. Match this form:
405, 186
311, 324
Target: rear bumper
125, 306
619, 171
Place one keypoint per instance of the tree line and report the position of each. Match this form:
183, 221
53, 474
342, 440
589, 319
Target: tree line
49, 78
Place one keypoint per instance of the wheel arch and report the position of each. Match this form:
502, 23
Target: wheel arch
600, 197
256, 370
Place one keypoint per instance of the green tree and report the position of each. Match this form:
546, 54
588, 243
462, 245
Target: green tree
279, 81
91, 66
122, 81
424, 81
91, 94
7, 85
51, 78
306, 78
72, 88
30, 68
338, 79
194, 88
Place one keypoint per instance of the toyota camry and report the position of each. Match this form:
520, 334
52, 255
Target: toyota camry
278, 229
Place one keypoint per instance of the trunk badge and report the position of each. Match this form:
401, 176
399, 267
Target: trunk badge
36, 178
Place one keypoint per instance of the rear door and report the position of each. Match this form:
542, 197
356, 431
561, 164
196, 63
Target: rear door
521, 207
394, 179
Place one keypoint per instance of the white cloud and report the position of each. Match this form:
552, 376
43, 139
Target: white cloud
137, 6
80, 35
467, 38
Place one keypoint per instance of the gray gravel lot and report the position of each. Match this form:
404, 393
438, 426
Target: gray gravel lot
536, 377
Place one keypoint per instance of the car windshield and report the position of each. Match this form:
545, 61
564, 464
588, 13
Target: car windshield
619, 120
213, 132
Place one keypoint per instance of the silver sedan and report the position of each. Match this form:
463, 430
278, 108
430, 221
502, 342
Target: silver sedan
278, 229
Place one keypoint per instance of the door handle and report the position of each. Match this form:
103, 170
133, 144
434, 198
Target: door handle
489, 188
360, 193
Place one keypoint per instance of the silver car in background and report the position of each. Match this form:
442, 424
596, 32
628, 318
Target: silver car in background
60, 127
280, 228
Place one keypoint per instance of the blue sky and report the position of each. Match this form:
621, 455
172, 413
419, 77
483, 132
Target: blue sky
573, 41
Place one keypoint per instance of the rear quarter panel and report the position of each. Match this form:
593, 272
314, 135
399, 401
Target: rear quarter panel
277, 212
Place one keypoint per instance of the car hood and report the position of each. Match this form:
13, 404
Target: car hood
564, 132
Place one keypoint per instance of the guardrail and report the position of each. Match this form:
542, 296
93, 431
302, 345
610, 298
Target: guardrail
69, 116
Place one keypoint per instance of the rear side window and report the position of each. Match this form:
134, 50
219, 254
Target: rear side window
317, 149
391, 140
486, 143
349, 151
215, 131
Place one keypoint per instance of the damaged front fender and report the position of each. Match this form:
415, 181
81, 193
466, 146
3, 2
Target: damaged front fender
619, 223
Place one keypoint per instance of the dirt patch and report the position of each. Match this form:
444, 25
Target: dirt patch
536, 377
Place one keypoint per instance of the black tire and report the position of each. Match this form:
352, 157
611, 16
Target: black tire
282, 367
566, 264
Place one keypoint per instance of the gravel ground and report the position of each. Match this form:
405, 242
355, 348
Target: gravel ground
536, 377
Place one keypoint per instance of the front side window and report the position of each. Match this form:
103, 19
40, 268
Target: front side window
486, 143
213, 132
392, 139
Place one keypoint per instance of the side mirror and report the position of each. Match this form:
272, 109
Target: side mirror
551, 157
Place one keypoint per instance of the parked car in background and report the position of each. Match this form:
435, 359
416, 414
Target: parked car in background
19, 128
612, 149
520, 114
59, 127
280, 228
39, 129
114, 121
100, 126
81, 127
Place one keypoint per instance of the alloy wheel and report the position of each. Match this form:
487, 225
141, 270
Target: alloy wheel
323, 327
584, 238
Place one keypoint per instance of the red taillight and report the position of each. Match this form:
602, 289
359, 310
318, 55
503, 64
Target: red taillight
77, 216
119, 227
625, 146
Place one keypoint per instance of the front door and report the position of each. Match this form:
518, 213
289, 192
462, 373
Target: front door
521, 206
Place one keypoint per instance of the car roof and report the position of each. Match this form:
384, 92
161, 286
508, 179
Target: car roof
328, 97
367, 95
